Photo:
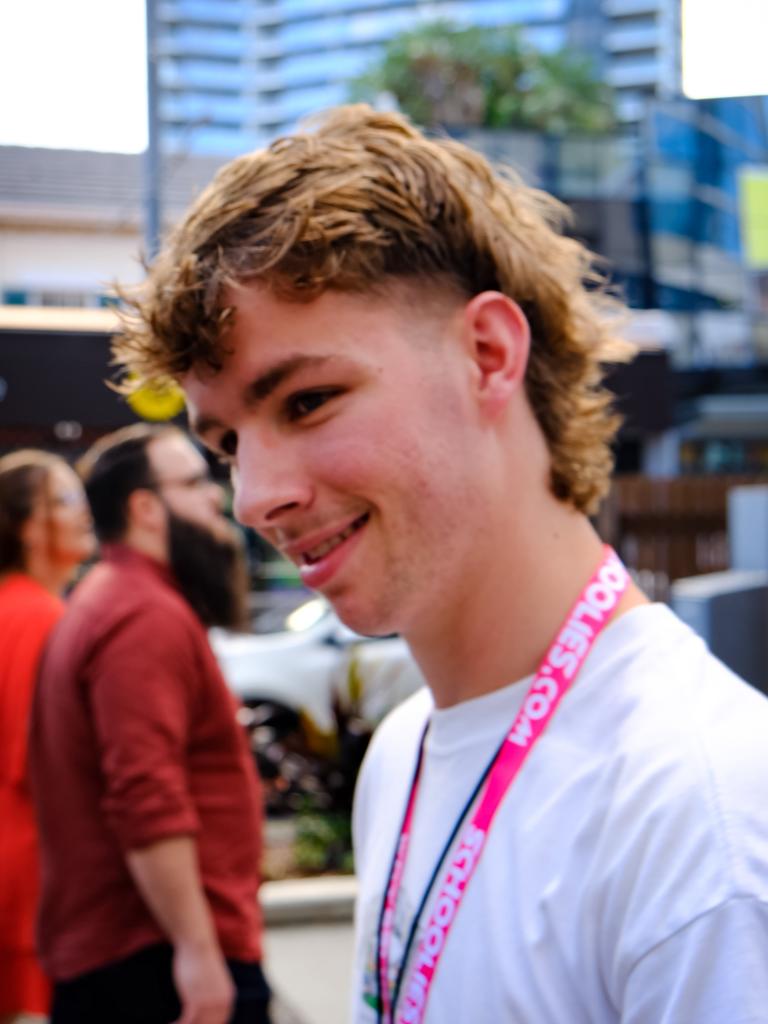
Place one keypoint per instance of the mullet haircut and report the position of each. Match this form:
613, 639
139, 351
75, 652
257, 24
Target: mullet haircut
365, 200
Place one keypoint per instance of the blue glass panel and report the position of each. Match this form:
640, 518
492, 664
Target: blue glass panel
204, 74
206, 42
671, 216
209, 139
192, 107
684, 300
353, 28
334, 64
742, 116
675, 138
300, 102
210, 10
506, 12
509, 10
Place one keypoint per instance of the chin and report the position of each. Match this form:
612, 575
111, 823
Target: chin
366, 621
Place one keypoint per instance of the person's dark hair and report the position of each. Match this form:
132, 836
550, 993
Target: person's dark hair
23, 476
115, 467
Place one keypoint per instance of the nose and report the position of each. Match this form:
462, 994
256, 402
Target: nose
270, 485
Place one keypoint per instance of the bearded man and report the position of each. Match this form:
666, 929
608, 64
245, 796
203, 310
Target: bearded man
149, 805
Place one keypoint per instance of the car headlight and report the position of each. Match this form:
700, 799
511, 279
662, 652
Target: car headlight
306, 615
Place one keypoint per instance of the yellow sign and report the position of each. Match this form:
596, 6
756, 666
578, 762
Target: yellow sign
157, 402
754, 217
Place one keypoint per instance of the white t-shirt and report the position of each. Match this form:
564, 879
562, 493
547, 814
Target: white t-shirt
625, 877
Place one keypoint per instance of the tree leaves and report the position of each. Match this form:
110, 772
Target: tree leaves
445, 76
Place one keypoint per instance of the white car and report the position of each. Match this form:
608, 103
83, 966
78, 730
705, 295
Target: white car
315, 662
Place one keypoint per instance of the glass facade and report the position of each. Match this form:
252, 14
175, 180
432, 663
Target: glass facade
696, 151
269, 49
235, 74
659, 201
661, 204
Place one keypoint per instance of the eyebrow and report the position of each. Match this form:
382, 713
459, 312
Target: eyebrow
262, 386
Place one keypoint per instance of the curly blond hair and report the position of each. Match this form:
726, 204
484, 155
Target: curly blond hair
366, 198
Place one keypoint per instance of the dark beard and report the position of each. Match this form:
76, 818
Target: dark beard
210, 573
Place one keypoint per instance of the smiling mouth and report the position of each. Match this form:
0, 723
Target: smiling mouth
314, 555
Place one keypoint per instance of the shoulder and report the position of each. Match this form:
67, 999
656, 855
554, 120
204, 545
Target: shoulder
24, 604
118, 614
654, 686
672, 752
677, 719
710, 971
113, 593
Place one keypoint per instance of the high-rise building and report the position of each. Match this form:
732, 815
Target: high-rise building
639, 51
236, 73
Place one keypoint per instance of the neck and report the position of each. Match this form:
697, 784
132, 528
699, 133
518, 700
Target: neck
53, 578
502, 628
147, 542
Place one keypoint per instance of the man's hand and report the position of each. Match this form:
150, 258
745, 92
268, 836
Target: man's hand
168, 877
204, 985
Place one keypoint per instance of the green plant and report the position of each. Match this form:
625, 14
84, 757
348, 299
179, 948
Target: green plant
442, 75
323, 842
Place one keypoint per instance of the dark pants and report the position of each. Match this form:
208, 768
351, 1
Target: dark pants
140, 990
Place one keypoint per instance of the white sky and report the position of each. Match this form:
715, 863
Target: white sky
724, 48
72, 74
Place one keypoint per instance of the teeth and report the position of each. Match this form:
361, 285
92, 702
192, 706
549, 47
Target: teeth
328, 545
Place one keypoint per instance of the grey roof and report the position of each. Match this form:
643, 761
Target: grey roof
68, 185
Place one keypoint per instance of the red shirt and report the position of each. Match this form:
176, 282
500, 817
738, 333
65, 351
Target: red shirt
27, 615
134, 740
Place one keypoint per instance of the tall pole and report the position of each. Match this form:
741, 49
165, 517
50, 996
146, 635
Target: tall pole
644, 214
152, 156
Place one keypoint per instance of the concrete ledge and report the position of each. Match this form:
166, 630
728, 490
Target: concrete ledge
309, 900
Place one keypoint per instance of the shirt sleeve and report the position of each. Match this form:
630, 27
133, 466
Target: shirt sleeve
142, 691
713, 970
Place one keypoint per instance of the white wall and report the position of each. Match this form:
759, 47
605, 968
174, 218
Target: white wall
69, 260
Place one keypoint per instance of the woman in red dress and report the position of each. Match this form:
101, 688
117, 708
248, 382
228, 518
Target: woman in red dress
45, 533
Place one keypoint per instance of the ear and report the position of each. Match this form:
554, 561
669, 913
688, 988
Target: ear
145, 511
498, 340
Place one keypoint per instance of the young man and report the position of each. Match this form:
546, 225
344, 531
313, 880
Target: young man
149, 806
400, 357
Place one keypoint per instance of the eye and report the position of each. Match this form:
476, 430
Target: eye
303, 403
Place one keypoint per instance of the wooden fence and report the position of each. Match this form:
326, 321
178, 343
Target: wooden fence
667, 528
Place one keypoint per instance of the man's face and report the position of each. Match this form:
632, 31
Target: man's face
61, 526
182, 478
352, 435
203, 547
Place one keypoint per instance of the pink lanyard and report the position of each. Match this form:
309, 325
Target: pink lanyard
558, 670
